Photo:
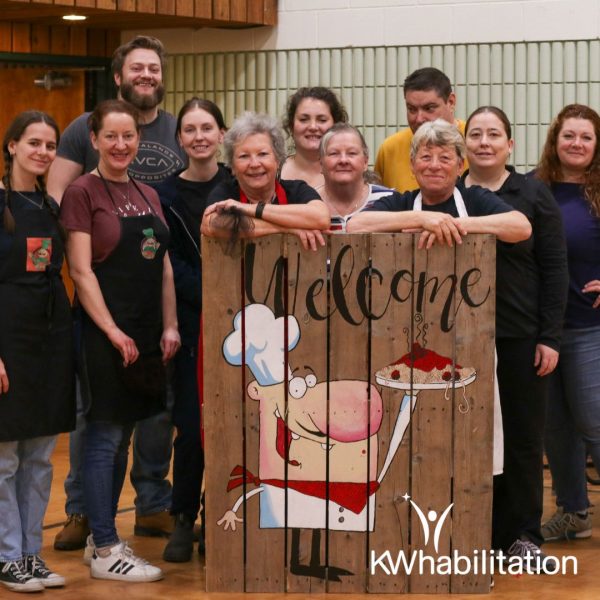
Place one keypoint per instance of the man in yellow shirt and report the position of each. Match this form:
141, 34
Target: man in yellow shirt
428, 95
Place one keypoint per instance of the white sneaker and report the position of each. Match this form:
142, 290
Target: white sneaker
123, 565
36, 567
90, 548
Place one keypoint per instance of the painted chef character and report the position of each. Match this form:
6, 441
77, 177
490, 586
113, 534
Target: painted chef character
355, 414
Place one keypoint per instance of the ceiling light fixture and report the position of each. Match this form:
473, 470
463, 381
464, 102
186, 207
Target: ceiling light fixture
74, 17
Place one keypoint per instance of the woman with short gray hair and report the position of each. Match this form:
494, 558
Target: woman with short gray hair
438, 133
255, 202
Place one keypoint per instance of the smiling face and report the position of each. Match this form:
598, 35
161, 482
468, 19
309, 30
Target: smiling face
140, 80
427, 105
312, 119
436, 170
576, 145
353, 420
255, 166
200, 135
488, 146
344, 160
117, 144
33, 152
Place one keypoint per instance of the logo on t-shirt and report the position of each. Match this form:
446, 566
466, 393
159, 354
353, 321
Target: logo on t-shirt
39, 253
154, 162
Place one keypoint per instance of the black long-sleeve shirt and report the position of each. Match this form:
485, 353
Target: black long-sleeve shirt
532, 276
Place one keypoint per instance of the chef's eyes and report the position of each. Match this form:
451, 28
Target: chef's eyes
297, 387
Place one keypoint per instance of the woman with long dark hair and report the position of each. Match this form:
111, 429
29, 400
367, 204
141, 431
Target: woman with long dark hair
37, 381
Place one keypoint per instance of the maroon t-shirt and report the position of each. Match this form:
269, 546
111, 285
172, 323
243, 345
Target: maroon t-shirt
86, 206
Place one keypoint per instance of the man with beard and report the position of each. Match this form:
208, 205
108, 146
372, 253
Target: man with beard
137, 68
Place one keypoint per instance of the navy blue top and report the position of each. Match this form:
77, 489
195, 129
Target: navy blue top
582, 232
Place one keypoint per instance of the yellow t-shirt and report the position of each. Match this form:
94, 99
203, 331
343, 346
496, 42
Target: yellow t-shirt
393, 160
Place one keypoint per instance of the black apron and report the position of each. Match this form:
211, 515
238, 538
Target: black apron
36, 334
131, 283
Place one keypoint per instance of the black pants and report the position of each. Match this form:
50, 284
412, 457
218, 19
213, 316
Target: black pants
518, 492
188, 456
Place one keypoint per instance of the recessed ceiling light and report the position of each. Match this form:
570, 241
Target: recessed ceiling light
74, 17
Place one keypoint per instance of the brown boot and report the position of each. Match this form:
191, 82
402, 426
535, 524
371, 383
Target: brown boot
73, 534
160, 524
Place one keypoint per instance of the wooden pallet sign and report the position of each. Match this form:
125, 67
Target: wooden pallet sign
348, 415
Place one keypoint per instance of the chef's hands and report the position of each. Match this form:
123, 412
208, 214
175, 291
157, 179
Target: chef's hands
592, 287
545, 359
228, 520
170, 342
124, 344
437, 227
3, 378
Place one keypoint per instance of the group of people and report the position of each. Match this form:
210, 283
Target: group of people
122, 362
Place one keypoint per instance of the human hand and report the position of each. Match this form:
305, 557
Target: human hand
3, 378
228, 520
545, 359
309, 238
170, 342
225, 206
124, 344
593, 287
439, 227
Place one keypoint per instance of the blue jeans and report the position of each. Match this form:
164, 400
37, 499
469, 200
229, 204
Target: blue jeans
25, 481
105, 466
573, 419
152, 447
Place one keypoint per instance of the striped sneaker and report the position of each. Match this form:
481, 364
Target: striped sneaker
123, 565
36, 567
14, 576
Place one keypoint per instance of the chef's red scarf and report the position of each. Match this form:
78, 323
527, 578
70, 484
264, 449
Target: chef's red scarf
352, 496
279, 192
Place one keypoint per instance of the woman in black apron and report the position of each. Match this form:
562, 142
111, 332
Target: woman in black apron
36, 349
124, 283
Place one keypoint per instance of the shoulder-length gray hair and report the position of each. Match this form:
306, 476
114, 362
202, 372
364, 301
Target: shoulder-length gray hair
250, 123
438, 133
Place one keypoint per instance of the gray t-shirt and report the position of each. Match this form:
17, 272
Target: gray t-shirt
158, 157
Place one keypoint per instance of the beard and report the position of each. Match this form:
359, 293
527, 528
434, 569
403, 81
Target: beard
142, 101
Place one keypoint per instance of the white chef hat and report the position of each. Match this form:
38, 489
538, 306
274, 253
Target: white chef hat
265, 345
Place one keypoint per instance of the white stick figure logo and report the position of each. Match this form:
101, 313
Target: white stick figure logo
431, 517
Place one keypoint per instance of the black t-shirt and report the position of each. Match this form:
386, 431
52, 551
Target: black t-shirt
479, 202
297, 192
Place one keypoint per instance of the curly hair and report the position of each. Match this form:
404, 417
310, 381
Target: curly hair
549, 168
336, 108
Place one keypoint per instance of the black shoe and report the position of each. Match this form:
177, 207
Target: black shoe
36, 567
14, 576
181, 542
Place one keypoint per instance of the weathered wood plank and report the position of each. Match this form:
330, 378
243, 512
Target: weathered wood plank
473, 411
106, 4
270, 12
223, 413
221, 9
391, 338
265, 535
166, 7
127, 5
202, 8
307, 277
432, 425
146, 6
354, 461
59, 40
237, 10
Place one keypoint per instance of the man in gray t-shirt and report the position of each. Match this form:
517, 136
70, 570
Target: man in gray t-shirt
138, 72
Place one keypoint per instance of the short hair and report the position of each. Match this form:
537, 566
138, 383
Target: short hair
250, 123
207, 105
549, 169
426, 79
336, 108
146, 42
342, 128
438, 133
96, 119
498, 112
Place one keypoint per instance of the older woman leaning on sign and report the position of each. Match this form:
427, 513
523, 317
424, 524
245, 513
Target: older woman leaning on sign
255, 202
442, 208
